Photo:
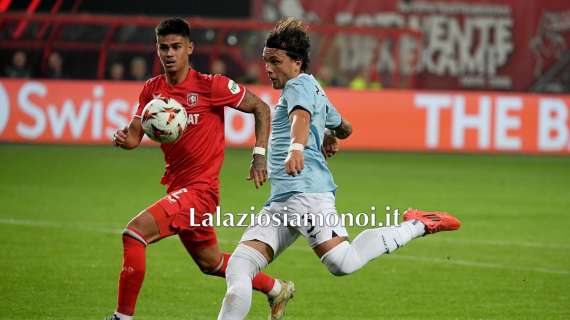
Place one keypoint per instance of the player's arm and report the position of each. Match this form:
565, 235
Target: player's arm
336, 128
343, 131
332, 136
300, 122
130, 136
330, 144
262, 114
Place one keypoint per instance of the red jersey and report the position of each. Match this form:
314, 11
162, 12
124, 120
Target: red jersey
196, 158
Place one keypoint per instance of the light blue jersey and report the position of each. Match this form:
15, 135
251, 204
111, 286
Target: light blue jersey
301, 92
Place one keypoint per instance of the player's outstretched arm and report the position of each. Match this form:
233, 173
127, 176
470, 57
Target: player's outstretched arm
130, 136
262, 114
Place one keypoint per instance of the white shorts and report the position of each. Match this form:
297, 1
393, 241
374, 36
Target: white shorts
312, 215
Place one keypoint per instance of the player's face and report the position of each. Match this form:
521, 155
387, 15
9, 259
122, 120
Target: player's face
173, 51
280, 67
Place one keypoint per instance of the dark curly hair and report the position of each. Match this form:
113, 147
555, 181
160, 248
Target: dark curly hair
291, 35
174, 25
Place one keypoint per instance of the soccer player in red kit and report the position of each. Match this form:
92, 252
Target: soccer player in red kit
193, 164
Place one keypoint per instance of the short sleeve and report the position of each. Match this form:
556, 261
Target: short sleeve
144, 98
226, 92
333, 117
297, 96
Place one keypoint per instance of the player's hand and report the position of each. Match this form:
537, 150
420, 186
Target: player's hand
295, 163
330, 146
258, 170
120, 136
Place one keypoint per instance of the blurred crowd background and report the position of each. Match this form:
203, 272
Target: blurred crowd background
50, 49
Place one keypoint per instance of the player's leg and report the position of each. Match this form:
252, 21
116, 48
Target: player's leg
244, 264
282, 290
246, 261
259, 245
342, 257
139, 232
201, 241
151, 225
212, 261
328, 237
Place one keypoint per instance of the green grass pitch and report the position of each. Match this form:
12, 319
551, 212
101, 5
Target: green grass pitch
63, 207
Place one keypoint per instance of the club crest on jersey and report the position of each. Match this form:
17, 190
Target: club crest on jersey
192, 99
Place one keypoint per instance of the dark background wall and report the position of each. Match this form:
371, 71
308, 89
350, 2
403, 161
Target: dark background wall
216, 8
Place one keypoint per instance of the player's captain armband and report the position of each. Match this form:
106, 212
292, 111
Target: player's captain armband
296, 146
259, 150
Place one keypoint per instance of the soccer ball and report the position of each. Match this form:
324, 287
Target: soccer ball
164, 120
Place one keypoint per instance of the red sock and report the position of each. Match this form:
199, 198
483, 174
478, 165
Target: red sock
132, 274
262, 281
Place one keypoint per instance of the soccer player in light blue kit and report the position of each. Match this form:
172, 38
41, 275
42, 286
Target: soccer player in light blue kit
302, 185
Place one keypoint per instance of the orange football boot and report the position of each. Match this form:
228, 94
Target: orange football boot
434, 221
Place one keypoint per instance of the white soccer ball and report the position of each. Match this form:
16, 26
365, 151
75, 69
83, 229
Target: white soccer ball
164, 120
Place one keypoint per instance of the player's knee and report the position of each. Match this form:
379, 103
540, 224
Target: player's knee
132, 233
236, 273
145, 225
239, 287
137, 222
341, 260
337, 269
245, 260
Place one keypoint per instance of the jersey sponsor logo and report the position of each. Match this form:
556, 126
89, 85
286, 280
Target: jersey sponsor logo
234, 87
193, 118
192, 99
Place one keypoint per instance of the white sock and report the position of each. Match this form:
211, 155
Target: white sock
370, 244
244, 264
416, 228
123, 316
274, 292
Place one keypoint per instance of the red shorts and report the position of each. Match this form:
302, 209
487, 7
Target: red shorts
172, 216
